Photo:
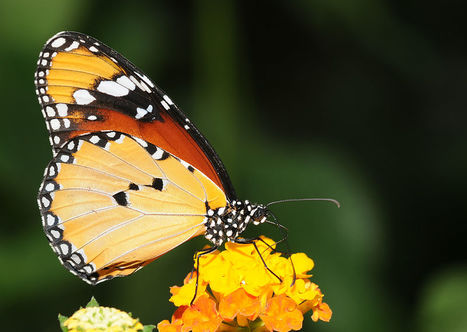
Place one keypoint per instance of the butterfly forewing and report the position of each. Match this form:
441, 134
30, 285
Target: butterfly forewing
84, 86
111, 203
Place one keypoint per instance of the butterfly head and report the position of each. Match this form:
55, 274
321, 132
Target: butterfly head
227, 223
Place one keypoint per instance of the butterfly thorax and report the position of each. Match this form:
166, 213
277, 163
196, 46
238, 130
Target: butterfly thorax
227, 223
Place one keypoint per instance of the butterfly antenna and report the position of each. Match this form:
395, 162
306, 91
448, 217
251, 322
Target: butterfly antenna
284, 229
336, 202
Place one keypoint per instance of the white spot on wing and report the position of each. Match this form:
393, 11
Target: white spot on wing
164, 103
51, 171
76, 259
145, 87
58, 42
158, 154
50, 220
140, 141
62, 109
55, 234
83, 97
50, 111
87, 269
184, 163
94, 139
55, 124
137, 83
45, 202
64, 249
112, 88
140, 112
168, 100
74, 45
50, 186
126, 82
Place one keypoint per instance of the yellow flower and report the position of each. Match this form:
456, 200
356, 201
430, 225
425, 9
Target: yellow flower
236, 291
102, 319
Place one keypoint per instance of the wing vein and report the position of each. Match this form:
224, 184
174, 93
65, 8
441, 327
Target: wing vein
154, 241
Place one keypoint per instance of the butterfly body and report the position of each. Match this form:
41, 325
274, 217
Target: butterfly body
131, 177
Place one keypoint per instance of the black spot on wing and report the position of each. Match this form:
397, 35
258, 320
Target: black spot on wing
157, 184
121, 198
133, 186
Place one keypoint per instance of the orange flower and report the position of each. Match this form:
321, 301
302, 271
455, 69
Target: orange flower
201, 316
321, 310
236, 291
282, 314
166, 326
239, 303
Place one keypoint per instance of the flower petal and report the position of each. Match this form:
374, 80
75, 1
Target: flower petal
282, 314
239, 302
202, 316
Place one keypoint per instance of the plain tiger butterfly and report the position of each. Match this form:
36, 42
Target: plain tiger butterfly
131, 176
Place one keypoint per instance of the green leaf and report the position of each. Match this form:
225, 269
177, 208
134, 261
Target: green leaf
92, 303
148, 328
62, 320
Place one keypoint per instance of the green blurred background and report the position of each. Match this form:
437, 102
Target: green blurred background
362, 101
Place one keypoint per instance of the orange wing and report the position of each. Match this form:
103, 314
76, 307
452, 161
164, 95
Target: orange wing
84, 86
112, 203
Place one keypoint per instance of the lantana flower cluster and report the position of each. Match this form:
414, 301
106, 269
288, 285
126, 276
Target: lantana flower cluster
95, 318
236, 291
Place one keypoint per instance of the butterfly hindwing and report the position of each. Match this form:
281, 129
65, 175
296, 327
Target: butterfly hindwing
111, 203
85, 86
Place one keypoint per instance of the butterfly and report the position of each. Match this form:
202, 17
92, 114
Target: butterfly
131, 177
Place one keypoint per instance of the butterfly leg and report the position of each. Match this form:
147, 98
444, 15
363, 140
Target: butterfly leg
289, 257
253, 242
284, 239
198, 255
